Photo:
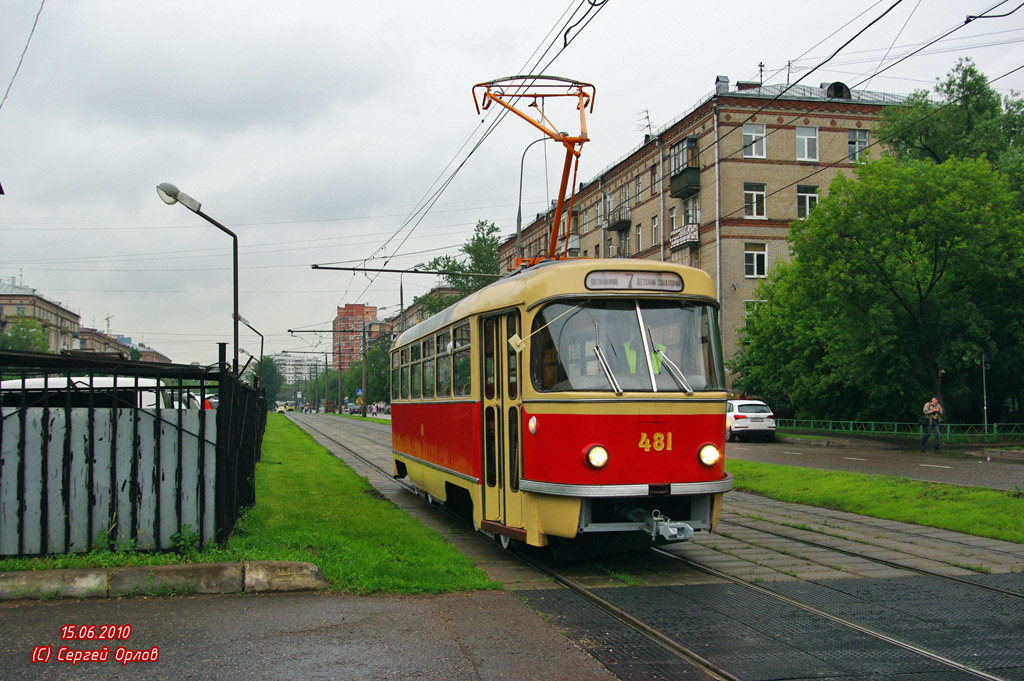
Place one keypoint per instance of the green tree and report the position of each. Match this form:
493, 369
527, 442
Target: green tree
481, 256
24, 334
969, 120
270, 378
899, 282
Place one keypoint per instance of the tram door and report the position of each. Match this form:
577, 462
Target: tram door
502, 400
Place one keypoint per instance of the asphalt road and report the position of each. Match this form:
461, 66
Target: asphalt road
955, 467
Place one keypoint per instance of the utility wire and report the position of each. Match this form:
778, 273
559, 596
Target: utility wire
22, 58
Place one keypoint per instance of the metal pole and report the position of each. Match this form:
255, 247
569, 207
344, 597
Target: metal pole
519, 213
984, 391
364, 363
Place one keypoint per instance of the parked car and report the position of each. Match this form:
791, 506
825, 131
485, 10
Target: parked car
354, 409
749, 418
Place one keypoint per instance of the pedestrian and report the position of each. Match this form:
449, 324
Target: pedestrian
933, 412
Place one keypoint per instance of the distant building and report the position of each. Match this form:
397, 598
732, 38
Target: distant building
718, 188
296, 368
91, 340
60, 324
350, 324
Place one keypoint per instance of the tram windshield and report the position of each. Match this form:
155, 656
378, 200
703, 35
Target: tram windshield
626, 345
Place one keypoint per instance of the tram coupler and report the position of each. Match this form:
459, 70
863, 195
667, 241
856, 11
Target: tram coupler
657, 525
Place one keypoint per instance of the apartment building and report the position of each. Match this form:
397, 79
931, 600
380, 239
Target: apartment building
719, 187
60, 324
349, 325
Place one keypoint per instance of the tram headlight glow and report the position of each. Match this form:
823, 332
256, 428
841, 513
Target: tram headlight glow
597, 456
709, 455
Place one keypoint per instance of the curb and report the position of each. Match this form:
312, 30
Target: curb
162, 580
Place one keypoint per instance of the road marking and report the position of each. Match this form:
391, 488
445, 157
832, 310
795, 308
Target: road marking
853, 458
932, 465
794, 453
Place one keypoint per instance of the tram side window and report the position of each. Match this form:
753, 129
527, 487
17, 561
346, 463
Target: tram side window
396, 375
461, 360
428, 367
489, 367
444, 364
405, 373
512, 328
414, 373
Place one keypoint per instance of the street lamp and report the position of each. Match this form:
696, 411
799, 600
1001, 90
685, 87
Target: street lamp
519, 213
401, 297
242, 319
171, 195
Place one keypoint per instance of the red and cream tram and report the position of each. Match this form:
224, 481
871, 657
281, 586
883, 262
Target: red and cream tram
574, 399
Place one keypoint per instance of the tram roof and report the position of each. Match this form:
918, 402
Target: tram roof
554, 277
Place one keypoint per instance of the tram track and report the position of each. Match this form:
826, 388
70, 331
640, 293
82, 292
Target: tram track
665, 640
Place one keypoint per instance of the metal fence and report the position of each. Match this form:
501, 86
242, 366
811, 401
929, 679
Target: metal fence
991, 433
98, 453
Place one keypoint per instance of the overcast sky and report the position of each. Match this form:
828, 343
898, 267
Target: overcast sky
314, 129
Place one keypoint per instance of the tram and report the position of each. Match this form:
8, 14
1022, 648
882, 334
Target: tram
573, 401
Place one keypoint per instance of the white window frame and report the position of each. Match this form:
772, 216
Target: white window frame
639, 189
755, 198
655, 238
856, 145
806, 143
806, 200
639, 237
755, 260
691, 210
754, 140
672, 219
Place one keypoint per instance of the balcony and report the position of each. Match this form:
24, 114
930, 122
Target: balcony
687, 235
684, 183
618, 219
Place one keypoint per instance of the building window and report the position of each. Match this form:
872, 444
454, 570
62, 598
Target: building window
753, 140
597, 250
691, 210
694, 257
624, 194
655, 238
683, 155
806, 144
624, 249
754, 194
806, 199
672, 219
639, 238
857, 145
638, 191
654, 180
754, 261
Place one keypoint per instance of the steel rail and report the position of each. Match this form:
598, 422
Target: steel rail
910, 647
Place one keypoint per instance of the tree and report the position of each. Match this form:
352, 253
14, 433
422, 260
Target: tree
481, 251
899, 282
24, 334
270, 378
971, 120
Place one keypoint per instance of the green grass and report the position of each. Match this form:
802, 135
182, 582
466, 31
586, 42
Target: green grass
311, 507
971, 510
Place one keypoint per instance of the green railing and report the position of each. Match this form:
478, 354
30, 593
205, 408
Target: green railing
951, 432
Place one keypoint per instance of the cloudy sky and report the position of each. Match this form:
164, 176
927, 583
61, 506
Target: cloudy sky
317, 131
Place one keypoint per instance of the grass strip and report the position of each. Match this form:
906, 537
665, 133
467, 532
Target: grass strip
997, 514
311, 507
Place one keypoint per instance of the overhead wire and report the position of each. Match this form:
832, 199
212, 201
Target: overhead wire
24, 51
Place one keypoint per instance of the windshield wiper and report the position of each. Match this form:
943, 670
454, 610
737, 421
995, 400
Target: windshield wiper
673, 370
607, 370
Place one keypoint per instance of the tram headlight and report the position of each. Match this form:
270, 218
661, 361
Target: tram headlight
597, 456
709, 455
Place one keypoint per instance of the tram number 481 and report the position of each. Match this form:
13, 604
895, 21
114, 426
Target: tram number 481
659, 442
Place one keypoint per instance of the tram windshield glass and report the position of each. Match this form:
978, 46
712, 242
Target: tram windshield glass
623, 345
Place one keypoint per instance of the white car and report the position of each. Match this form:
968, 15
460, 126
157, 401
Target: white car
749, 418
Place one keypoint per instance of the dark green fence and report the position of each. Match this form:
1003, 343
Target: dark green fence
993, 433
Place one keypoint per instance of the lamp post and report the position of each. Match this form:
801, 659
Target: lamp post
401, 296
170, 195
242, 319
519, 213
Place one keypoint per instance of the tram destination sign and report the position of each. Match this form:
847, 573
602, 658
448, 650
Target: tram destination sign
633, 281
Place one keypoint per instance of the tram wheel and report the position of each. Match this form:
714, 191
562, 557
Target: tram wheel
506, 542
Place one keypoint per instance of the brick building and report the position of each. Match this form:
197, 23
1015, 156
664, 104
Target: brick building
348, 330
718, 187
